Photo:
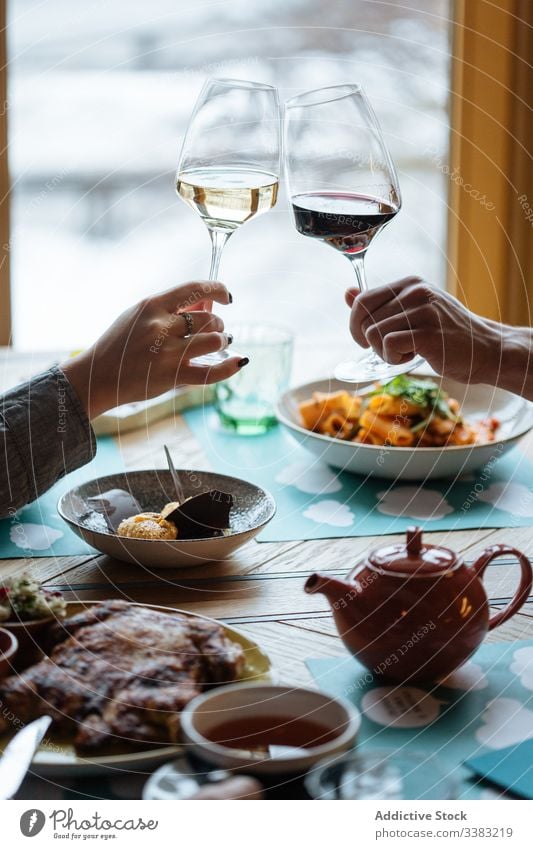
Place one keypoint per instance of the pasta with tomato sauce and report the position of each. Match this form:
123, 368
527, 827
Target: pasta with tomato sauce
405, 412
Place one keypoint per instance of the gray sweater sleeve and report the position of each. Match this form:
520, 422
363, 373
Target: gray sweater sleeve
44, 434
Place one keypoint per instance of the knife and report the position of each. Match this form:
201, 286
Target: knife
18, 755
175, 477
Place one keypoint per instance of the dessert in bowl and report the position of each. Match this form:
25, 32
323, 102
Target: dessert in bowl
133, 516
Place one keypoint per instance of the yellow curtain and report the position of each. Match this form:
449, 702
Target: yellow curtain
490, 227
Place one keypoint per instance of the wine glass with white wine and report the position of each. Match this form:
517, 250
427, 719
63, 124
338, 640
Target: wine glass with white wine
229, 165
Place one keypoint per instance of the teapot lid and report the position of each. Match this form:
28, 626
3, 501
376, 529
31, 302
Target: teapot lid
413, 556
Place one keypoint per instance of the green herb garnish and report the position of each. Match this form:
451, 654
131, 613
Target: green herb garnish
426, 394
422, 424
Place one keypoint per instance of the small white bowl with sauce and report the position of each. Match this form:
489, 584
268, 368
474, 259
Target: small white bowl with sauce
268, 729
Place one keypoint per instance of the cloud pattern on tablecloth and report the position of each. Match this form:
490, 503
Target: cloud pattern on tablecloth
330, 512
31, 537
504, 723
522, 666
407, 501
313, 480
514, 498
413, 501
468, 677
401, 707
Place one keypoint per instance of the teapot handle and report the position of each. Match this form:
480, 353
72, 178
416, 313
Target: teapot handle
524, 587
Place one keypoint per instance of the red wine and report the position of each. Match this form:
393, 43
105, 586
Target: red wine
347, 222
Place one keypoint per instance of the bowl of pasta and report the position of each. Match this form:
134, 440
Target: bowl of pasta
410, 427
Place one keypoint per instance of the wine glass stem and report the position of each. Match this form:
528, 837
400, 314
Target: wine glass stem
218, 240
358, 263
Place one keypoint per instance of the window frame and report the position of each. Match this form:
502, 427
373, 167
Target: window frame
490, 250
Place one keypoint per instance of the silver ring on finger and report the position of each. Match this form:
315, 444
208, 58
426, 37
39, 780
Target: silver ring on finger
189, 323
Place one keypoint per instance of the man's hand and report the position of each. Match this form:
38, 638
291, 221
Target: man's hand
410, 317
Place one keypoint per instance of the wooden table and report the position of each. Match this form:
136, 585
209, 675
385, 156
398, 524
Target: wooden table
260, 589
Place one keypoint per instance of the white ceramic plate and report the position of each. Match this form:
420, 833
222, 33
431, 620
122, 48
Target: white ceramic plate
253, 508
477, 402
57, 755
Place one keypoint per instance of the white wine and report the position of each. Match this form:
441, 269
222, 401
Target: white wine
227, 197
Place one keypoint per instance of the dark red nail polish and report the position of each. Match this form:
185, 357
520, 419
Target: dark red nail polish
229, 338
230, 297
243, 362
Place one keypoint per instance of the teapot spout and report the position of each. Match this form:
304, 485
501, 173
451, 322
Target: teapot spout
337, 592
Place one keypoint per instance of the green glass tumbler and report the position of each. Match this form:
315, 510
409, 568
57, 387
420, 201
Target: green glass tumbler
245, 402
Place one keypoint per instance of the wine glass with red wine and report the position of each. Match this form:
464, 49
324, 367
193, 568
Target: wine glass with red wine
343, 188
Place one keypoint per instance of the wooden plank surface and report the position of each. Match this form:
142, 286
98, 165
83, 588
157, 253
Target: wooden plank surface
261, 587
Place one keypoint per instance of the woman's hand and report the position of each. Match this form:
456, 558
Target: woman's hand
410, 317
149, 349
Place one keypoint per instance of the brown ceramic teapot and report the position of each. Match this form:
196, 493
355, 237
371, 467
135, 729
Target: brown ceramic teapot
414, 611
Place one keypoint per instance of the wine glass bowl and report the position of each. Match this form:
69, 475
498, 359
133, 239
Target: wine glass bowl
343, 187
229, 164
227, 197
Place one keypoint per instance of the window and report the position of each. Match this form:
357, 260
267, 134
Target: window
99, 96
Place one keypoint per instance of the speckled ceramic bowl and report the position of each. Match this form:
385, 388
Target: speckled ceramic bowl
253, 508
